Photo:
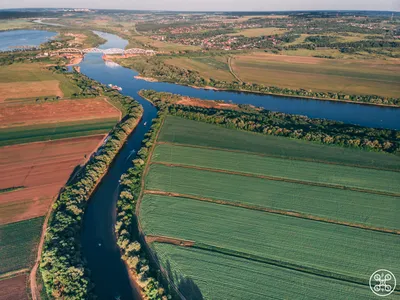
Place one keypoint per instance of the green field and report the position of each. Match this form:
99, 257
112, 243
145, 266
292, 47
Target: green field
281, 168
183, 131
22, 72
377, 77
18, 243
215, 276
237, 180
45, 132
330, 203
327, 247
208, 67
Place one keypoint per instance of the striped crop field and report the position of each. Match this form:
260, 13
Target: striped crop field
206, 274
323, 246
279, 167
332, 203
183, 131
54, 131
18, 244
237, 215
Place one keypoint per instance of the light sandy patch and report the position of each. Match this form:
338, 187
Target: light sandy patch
205, 103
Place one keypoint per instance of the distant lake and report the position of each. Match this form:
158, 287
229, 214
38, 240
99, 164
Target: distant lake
17, 39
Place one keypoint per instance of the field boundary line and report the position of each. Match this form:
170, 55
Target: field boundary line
276, 156
287, 213
282, 179
142, 235
119, 111
13, 273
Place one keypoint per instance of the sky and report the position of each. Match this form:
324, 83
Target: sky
212, 5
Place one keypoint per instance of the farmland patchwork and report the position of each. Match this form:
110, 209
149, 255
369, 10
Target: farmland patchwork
252, 211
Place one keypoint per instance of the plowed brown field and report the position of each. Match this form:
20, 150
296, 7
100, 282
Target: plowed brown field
62, 111
42, 168
13, 288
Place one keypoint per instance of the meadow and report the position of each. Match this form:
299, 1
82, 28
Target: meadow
375, 77
18, 243
20, 76
54, 131
188, 132
213, 275
215, 67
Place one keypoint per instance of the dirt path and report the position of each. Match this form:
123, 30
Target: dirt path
274, 211
230, 58
273, 178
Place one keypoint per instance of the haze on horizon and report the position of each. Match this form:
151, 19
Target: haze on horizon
211, 5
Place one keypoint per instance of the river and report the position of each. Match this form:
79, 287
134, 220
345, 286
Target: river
98, 240
20, 39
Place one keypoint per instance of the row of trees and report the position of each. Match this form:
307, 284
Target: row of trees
156, 68
281, 124
63, 269
133, 253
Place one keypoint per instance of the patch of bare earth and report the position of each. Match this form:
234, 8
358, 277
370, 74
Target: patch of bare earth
168, 240
205, 103
53, 112
13, 288
42, 168
29, 89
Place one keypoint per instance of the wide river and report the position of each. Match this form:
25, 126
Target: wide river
18, 39
99, 245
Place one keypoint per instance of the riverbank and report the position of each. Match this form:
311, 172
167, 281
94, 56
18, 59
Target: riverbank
155, 79
69, 209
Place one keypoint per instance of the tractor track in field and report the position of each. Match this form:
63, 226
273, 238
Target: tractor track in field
273, 178
230, 58
275, 211
278, 156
